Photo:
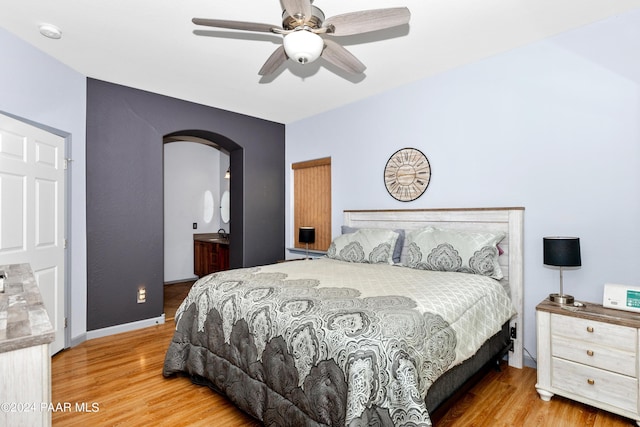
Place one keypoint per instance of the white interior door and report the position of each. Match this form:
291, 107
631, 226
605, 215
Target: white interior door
32, 211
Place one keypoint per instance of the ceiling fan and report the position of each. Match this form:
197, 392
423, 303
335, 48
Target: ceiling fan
302, 27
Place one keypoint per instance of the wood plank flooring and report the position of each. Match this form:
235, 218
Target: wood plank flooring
119, 381
173, 296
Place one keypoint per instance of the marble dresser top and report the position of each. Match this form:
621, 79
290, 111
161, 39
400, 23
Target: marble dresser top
24, 321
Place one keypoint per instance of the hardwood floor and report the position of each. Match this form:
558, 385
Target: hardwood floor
173, 296
508, 398
118, 381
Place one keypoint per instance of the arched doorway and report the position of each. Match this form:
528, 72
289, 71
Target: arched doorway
195, 178
235, 153
194, 182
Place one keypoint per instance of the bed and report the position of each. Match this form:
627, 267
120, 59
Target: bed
381, 331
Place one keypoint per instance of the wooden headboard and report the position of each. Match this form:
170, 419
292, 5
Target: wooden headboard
508, 220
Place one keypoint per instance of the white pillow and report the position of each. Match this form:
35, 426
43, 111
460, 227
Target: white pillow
366, 245
432, 248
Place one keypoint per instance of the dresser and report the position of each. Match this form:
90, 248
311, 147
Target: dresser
589, 354
25, 362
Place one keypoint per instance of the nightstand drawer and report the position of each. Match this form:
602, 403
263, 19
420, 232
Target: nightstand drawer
604, 334
595, 384
589, 353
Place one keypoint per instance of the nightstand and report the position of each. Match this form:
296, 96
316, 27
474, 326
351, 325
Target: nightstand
589, 354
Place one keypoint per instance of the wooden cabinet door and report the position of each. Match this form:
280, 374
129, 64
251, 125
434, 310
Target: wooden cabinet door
223, 257
201, 258
209, 257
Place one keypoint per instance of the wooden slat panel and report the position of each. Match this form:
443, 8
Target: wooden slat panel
312, 201
312, 163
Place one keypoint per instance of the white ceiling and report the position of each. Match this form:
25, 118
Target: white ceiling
152, 45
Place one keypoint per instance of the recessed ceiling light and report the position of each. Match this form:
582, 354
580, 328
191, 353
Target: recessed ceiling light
50, 31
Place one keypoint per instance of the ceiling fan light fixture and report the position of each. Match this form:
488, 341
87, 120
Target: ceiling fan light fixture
303, 46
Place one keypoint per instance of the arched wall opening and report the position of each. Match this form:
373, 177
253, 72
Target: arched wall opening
235, 153
194, 182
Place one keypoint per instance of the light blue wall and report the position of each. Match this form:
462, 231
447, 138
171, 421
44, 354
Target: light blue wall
553, 126
38, 88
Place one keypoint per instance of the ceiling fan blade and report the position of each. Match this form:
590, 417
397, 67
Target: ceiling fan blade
342, 58
366, 21
277, 58
235, 25
298, 9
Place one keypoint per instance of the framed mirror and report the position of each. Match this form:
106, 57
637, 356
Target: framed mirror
224, 207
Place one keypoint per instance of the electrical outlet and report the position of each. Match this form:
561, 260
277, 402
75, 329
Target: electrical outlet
195, 225
142, 295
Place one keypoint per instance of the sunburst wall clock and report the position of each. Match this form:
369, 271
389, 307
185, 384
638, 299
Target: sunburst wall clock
407, 174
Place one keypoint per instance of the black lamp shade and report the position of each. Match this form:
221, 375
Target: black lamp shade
307, 235
562, 251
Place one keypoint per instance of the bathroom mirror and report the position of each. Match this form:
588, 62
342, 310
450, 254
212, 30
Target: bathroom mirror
208, 207
224, 207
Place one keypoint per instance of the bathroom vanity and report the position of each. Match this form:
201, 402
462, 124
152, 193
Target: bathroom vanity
210, 253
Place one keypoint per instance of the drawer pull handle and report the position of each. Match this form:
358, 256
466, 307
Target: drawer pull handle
589, 352
589, 328
590, 381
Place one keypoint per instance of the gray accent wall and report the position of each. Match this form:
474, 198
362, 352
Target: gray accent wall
125, 130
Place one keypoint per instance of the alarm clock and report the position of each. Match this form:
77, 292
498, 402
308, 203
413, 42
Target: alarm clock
621, 297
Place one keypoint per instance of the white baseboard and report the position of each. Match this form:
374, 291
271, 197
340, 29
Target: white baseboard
126, 327
78, 340
530, 361
188, 279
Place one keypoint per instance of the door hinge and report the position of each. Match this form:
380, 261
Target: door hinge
66, 162
64, 244
66, 322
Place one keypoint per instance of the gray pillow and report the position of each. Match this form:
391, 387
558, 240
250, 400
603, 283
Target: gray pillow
397, 250
366, 245
432, 248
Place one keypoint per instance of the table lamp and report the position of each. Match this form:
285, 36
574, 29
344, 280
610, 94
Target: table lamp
561, 252
307, 235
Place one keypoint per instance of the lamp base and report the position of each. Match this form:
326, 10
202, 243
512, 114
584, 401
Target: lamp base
561, 298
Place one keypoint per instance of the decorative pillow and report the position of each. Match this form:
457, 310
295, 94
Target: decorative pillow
432, 248
397, 250
367, 245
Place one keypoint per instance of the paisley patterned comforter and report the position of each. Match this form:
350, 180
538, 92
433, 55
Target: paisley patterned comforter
328, 342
